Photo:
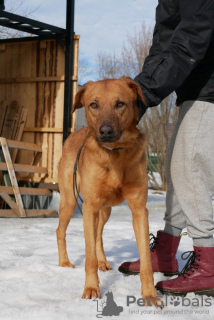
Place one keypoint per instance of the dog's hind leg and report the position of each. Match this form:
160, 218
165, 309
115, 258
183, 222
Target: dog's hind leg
104, 215
66, 210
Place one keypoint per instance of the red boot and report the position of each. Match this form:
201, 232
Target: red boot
197, 276
163, 251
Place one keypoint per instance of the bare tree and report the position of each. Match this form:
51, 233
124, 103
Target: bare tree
135, 50
109, 67
158, 122
84, 70
129, 63
18, 7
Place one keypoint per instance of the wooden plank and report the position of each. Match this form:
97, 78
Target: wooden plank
46, 114
36, 179
51, 130
52, 109
17, 117
3, 108
37, 159
5, 174
24, 168
36, 79
23, 145
59, 105
41, 213
43, 44
26, 94
7, 213
40, 94
8, 129
9, 121
19, 132
2, 46
24, 190
12, 175
11, 203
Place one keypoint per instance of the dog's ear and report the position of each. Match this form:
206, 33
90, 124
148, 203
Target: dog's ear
79, 101
135, 87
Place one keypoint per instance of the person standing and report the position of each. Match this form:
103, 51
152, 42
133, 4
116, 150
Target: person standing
181, 59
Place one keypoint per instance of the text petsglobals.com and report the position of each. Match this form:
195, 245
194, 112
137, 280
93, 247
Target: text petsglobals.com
197, 305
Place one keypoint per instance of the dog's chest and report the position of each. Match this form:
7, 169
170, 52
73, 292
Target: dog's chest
111, 186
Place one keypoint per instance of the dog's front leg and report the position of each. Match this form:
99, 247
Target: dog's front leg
141, 229
90, 220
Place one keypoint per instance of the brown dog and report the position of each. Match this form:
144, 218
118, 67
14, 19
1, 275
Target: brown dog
111, 169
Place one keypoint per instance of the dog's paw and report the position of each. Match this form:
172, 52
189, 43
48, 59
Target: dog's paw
158, 303
104, 266
154, 301
67, 264
90, 293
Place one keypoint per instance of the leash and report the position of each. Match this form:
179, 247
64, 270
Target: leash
75, 189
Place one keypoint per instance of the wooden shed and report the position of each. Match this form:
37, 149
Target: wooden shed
38, 82
39, 73
32, 73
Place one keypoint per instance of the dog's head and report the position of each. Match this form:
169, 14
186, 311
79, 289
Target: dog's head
110, 107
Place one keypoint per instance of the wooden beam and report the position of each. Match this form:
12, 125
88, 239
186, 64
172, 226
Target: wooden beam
7, 213
12, 175
11, 203
23, 145
43, 129
24, 190
5, 174
19, 132
36, 79
24, 168
2, 47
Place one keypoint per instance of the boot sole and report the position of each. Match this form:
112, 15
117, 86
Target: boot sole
207, 292
134, 273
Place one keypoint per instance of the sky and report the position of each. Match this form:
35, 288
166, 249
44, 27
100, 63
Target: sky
101, 24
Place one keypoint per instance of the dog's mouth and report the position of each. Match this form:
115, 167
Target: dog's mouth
108, 139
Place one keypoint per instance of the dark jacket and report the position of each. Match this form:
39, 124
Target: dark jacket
181, 57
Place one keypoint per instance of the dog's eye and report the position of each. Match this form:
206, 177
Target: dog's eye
120, 104
93, 105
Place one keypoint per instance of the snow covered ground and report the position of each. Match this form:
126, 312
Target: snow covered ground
34, 287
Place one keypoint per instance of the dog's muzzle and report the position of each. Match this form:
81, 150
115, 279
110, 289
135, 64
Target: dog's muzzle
106, 133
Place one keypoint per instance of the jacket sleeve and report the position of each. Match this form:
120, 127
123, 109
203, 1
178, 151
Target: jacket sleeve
167, 19
166, 69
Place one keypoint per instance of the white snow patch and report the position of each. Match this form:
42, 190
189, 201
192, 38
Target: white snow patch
33, 286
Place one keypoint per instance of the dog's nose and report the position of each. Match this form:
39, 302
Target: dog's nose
106, 131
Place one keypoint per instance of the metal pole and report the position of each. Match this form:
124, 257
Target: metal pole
68, 67
2, 7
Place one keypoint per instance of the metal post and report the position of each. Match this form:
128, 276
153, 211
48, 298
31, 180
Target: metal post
68, 68
2, 7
